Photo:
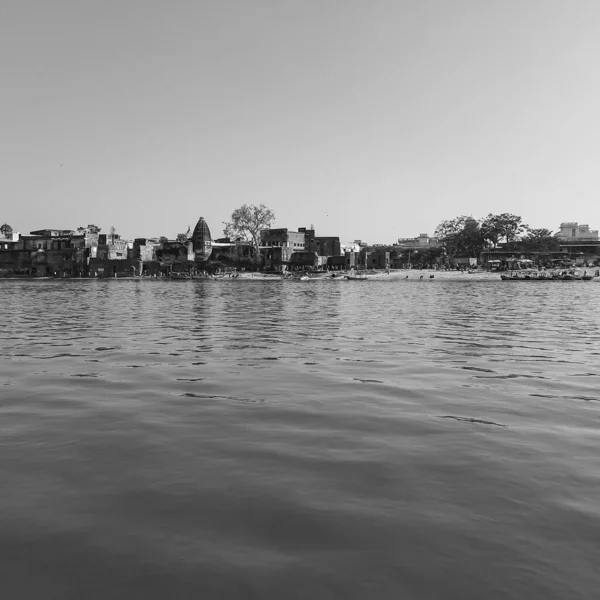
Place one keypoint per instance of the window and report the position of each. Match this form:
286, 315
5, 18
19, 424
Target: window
573, 232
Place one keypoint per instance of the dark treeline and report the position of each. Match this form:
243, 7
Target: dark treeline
466, 236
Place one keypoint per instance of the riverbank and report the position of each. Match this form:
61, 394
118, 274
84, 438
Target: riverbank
430, 275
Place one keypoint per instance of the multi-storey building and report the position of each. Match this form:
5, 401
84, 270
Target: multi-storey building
278, 245
322, 245
44, 252
579, 242
111, 247
572, 231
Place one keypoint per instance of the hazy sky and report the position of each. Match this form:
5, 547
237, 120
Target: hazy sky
371, 119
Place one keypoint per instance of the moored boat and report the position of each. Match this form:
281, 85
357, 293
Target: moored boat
533, 275
357, 277
526, 275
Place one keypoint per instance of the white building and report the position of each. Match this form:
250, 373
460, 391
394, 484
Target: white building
350, 247
571, 231
423, 241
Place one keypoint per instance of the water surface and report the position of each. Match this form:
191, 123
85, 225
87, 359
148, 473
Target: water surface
277, 439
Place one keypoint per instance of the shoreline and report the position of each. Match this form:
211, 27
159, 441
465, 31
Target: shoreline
420, 275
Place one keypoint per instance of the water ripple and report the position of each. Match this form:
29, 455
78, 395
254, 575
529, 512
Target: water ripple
270, 439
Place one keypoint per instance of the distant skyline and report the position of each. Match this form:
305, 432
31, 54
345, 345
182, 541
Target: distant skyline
371, 120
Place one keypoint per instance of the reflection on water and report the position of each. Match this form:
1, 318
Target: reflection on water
246, 439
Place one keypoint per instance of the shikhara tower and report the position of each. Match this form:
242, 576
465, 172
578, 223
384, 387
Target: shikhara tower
202, 241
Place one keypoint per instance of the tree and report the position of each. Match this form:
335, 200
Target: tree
461, 236
430, 255
541, 240
247, 222
162, 239
6, 230
182, 237
505, 226
81, 230
94, 229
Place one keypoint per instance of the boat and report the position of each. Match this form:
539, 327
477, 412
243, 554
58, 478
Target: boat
305, 275
528, 275
533, 275
357, 277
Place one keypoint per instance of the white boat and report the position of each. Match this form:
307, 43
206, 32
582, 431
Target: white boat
357, 277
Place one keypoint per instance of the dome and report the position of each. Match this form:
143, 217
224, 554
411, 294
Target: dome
471, 223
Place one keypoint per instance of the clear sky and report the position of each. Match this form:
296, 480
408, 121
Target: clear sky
371, 119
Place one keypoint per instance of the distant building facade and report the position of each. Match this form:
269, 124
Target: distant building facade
572, 231
322, 245
581, 243
278, 246
48, 252
422, 241
111, 247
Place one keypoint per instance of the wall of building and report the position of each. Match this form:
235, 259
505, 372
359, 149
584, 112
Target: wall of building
283, 238
378, 260
58, 261
327, 246
102, 267
352, 259
112, 248
14, 260
337, 262
422, 241
288, 241
304, 258
171, 252
143, 249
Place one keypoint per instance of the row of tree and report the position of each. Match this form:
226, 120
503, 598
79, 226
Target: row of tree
466, 236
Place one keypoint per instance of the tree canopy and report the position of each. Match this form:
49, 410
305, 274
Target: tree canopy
461, 236
464, 236
496, 228
89, 229
246, 223
541, 240
6, 229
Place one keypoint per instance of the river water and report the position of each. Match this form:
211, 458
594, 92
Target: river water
277, 439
